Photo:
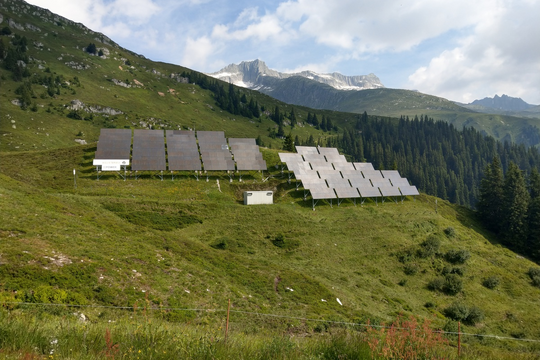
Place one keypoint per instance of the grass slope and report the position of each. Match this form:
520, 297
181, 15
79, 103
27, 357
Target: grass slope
193, 244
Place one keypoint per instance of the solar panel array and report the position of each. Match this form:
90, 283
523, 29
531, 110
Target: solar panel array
215, 152
246, 154
114, 144
327, 175
148, 150
182, 150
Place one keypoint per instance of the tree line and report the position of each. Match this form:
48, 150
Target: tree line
436, 157
509, 205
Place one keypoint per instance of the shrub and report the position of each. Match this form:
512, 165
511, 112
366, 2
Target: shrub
436, 284
475, 316
406, 255
453, 284
450, 232
457, 256
491, 282
402, 282
534, 274
220, 244
429, 305
458, 270
457, 311
410, 269
429, 247
461, 312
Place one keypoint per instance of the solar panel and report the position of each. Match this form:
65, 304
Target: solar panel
360, 182
391, 174
330, 174
372, 174
312, 157
148, 150
114, 144
302, 150
290, 157
363, 166
389, 191
346, 192
381, 182
328, 151
400, 182
246, 154
409, 190
215, 152
182, 150
336, 159
343, 166
322, 193
369, 191
335, 183
321, 165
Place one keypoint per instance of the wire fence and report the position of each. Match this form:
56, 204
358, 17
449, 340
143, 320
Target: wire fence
153, 308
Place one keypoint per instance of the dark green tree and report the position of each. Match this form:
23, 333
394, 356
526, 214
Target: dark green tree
516, 202
490, 203
292, 117
288, 143
91, 48
533, 240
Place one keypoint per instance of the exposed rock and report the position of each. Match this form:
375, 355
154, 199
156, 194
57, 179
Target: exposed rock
77, 66
32, 27
16, 102
77, 105
15, 25
178, 78
120, 83
81, 141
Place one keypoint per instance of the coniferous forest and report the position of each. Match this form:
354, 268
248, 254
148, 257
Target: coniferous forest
436, 157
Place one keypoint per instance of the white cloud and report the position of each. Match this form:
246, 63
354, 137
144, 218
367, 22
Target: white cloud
197, 51
501, 56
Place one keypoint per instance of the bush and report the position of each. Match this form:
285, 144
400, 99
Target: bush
450, 232
453, 284
457, 311
491, 282
220, 244
429, 247
458, 270
461, 312
534, 274
457, 256
436, 284
410, 269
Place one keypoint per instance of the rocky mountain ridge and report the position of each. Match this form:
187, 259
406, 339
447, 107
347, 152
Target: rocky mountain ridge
255, 75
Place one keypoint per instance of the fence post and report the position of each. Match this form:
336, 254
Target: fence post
459, 339
227, 325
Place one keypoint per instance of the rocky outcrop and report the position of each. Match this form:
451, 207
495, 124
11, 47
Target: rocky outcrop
254, 75
78, 105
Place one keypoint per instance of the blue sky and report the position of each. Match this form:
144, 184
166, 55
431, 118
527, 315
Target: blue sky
461, 50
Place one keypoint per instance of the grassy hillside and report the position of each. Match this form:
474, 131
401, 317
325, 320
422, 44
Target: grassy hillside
193, 244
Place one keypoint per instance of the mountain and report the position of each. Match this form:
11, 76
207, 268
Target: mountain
503, 103
256, 75
334, 92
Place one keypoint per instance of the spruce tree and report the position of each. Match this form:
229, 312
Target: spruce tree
533, 240
515, 204
490, 202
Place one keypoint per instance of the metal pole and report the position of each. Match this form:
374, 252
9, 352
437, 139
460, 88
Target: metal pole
227, 325
459, 339
74, 178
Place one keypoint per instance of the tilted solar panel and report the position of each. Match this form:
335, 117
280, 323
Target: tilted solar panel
389, 191
302, 150
347, 192
363, 166
328, 151
409, 190
114, 144
148, 150
322, 193
369, 192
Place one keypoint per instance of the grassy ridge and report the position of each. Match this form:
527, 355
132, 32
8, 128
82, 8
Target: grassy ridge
185, 243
